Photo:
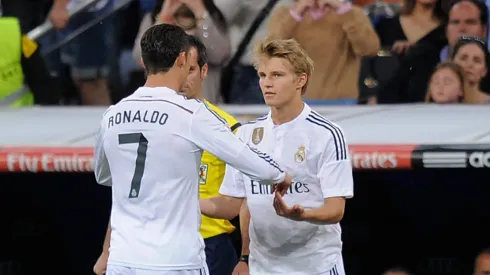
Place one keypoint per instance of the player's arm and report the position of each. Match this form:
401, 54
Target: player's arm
244, 227
107, 240
211, 133
101, 264
102, 170
335, 176
227, 204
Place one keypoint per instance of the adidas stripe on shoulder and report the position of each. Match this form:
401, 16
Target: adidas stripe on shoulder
334, 130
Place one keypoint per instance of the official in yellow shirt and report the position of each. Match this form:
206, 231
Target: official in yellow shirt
220, 253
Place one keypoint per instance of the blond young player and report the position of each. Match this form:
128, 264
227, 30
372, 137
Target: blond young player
299, 234
220, 253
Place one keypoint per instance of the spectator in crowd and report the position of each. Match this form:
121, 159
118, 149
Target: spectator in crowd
419, 20
87, 54
243, 81
24, 78
336, 36
447, 85
482, 263
466, 17
202, 19
471, 53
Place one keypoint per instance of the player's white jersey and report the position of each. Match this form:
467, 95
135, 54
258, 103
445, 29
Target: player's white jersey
315, 151
149, 149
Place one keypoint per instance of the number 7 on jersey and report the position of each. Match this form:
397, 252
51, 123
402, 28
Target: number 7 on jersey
142, 142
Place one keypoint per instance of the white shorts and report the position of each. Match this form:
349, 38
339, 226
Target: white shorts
121, 270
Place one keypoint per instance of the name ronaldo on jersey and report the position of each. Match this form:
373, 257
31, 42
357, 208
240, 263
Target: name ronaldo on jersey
137, 116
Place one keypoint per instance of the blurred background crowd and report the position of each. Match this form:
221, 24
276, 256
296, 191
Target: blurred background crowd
365, 52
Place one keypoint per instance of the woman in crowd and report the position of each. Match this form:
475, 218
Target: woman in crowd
202, 19
416, 32
471, 53
419, 21
448, 85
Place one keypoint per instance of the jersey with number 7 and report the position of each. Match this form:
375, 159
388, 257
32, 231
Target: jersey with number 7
148, 149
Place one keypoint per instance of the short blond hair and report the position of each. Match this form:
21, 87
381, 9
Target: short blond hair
288, 49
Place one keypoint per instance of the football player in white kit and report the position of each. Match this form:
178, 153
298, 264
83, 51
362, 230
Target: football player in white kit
299, 234
149, 149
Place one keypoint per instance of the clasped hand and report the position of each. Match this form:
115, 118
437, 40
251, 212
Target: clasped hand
296, 212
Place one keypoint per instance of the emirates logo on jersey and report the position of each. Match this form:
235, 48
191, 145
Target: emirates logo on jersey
257, 135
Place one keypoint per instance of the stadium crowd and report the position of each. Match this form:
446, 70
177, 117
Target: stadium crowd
383, 52
364, 52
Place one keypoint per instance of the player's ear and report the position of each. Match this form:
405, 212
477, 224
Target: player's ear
204, 71
142, 63
301, 80
181, 59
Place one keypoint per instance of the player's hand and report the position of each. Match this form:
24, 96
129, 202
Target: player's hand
59, 16
241, 269
101, 264
283, 187
295, 213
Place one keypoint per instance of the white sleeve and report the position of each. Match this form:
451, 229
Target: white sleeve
102, 170
211, 133
233, 184
335, 172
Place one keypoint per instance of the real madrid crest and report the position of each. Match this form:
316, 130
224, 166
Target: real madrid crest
257, 135
300, 155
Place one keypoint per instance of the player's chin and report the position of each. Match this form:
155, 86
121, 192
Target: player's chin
272, 102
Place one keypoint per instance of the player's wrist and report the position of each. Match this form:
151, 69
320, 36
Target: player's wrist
244, 258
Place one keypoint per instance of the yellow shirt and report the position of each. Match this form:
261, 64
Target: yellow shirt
210, 178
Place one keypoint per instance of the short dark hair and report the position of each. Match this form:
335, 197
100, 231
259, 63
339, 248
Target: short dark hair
202, 56
482, 7
161, 45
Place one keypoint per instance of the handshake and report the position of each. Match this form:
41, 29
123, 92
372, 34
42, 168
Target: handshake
282, 209
228, 206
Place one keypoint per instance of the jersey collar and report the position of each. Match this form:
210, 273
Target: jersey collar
302, 116
150, 91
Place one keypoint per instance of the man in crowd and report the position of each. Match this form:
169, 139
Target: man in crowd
306, 237
466, 17
220, 253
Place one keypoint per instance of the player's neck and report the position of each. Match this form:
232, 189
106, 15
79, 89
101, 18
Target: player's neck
199, 96
168, 79
287, 113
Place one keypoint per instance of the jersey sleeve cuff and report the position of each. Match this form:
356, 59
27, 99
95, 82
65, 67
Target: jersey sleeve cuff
345, 193
231, 192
